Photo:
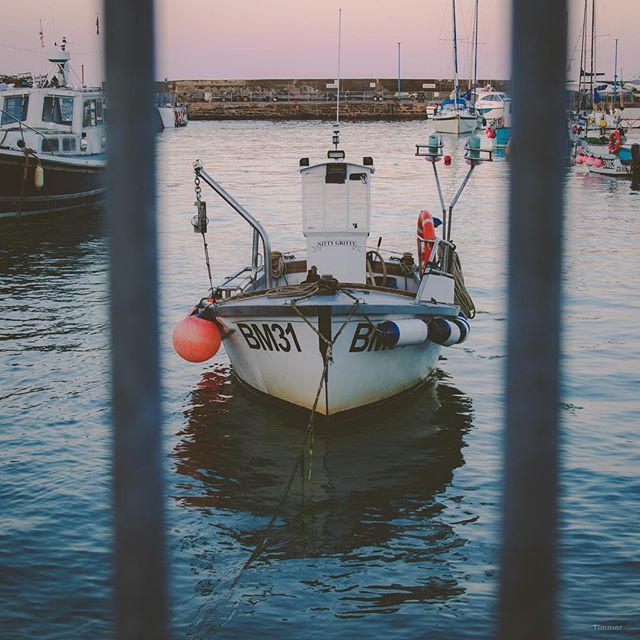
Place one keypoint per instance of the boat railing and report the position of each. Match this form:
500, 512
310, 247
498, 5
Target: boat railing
440, 257
20, 126
260, 234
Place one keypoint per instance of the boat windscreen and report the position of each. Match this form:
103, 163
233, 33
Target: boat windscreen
14, 108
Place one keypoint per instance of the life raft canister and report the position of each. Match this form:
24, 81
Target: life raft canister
615, 142
426, 233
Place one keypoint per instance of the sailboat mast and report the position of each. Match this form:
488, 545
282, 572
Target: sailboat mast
455, 54
583, 57
593, 50
615, 76
475, 51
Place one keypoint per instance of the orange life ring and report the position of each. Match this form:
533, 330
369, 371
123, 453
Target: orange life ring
426, 233
615, 142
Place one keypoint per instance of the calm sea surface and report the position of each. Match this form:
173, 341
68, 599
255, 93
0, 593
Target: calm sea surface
397, 536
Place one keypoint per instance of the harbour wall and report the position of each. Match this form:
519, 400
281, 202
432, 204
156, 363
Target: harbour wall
349, 111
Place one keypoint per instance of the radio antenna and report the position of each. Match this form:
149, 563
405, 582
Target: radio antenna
336, 130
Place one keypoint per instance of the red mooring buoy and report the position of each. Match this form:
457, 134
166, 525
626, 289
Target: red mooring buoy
196, 339
447, 160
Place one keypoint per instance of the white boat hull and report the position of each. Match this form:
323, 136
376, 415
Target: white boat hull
281, 357
611, 167
454, 124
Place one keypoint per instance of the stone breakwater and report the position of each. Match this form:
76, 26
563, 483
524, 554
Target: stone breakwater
349, 111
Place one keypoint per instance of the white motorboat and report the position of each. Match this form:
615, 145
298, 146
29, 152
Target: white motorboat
52, 144
454, 115
341, 327
491, 105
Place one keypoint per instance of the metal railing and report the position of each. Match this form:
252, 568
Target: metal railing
259, 232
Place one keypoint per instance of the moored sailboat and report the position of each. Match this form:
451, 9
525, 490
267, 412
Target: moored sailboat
454, 114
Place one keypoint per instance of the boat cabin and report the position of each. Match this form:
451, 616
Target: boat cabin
53, 119
336, 212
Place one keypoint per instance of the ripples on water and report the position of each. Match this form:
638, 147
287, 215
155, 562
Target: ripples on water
396, 535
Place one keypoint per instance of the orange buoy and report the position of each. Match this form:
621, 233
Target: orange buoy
426, 233
196, 339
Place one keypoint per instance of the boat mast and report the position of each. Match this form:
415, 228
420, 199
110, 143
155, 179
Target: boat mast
615, 76
475, 50
593, 51
582, 81
455, 55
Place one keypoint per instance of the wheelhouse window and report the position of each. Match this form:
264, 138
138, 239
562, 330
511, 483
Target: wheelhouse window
14, 109
52, 145
58, 109
92, 115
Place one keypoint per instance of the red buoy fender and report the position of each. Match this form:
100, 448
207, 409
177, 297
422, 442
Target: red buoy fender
615, 142
426, 233
196, 339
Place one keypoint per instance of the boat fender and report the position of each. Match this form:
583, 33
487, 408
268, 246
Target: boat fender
598, 162
38, 177
579, 159
615, 142
449, 332
402, 333
196, 339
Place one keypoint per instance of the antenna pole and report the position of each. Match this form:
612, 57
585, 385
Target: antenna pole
339, 43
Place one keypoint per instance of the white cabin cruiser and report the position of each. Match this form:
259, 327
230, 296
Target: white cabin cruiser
52, 145
341, 327
491, 105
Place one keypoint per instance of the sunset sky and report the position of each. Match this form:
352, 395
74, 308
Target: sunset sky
296, 39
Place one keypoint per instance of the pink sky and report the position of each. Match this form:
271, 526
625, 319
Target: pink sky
297, 38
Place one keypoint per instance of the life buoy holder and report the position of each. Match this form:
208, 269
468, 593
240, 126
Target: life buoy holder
426, 233
615, 142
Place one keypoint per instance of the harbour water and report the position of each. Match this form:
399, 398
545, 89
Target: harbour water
396, 535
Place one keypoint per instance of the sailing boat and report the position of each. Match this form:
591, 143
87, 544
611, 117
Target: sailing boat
454, 115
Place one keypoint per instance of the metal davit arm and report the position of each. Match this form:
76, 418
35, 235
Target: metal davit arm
257, 227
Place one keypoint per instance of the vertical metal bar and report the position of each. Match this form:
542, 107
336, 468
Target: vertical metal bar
140, 582
528, 576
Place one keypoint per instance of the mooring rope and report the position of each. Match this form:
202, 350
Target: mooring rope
309, 437
461, 295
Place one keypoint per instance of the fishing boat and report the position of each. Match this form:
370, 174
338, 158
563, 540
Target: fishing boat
454, 114
52, 144
619, 160
339, 327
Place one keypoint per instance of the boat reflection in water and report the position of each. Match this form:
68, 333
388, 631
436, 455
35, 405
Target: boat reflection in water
375, 496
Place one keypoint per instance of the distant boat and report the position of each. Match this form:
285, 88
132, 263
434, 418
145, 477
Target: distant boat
52, 144
170, 113
454, 115
615, 161
490, 105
